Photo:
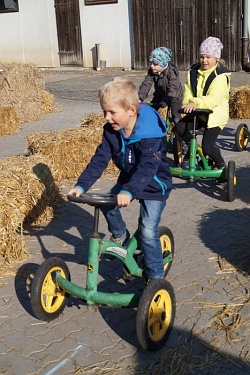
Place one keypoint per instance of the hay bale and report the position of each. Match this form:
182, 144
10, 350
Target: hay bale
163, 112
71, 150
9, 123
22, 87
28, 196
239, 102
92, 125
47, 103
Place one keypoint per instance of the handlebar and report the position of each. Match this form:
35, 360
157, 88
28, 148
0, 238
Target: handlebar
94, 199
197, 112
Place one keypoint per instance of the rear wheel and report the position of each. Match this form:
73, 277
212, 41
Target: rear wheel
241, 137
155, 314
167, 247
231, 181
47, 299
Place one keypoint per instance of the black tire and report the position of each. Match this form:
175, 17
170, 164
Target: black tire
231, 181
241, 137
177, 150
48, 301
155, 314
167, 246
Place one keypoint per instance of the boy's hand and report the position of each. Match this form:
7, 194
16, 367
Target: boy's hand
123, 199
75, 191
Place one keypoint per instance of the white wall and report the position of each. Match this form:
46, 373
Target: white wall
108, 25
30, 35
248, 28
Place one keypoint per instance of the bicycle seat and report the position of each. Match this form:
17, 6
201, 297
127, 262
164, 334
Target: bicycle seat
197, 112
94, 199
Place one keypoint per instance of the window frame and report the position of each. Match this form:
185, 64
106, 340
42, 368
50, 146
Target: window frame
97, 2
11, 10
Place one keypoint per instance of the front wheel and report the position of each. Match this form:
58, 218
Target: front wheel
231, 181
155, 314
241, 137
167, 247
47, 299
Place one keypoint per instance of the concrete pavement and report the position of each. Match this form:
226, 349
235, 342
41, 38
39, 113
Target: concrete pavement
210, 271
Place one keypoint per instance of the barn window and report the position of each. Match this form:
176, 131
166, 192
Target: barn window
94, 2
7, 6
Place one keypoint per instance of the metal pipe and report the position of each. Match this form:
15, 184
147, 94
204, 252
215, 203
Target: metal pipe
245, 37
97, 56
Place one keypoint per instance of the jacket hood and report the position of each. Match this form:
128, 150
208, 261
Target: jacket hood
149, 124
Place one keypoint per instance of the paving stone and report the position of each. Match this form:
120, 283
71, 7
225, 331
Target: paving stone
209, 274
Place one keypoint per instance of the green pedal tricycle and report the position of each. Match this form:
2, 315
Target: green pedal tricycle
201, 166
155, 304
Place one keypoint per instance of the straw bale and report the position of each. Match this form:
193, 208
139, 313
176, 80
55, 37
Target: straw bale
92, 124
163, 112
47, 103
9, 123
239, 102
71, 150
28, 196
22, 87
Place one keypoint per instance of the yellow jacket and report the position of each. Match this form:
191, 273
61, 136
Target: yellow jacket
216, 97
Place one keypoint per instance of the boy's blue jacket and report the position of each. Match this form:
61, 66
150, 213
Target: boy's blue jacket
141, 158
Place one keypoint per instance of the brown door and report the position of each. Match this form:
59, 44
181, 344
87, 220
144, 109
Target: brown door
69, 32
182, 25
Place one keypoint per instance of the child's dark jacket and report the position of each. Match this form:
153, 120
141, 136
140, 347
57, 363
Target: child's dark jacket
141, 158
167, 85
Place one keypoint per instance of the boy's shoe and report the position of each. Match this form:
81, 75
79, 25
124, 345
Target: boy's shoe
123, 240
127, 275
185, 164
184, 148
223, 178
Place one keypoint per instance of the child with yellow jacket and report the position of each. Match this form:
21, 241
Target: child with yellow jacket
207, 87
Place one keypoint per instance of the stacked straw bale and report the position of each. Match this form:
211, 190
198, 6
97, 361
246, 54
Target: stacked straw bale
239, 102
23, 97
28, 196
9, 122
71, 150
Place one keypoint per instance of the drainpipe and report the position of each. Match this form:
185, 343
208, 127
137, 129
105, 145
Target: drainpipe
97, 46
245, 39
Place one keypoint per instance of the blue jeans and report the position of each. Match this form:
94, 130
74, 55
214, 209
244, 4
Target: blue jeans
149, 219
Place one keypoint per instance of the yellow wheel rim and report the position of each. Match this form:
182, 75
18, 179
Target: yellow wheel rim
166, 248
243, 139
51, 296
159, 315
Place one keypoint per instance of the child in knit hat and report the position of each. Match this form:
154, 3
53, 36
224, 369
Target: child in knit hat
207, 86
165, 78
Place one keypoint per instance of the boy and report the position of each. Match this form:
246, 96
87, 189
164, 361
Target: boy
132, 138
165, 78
